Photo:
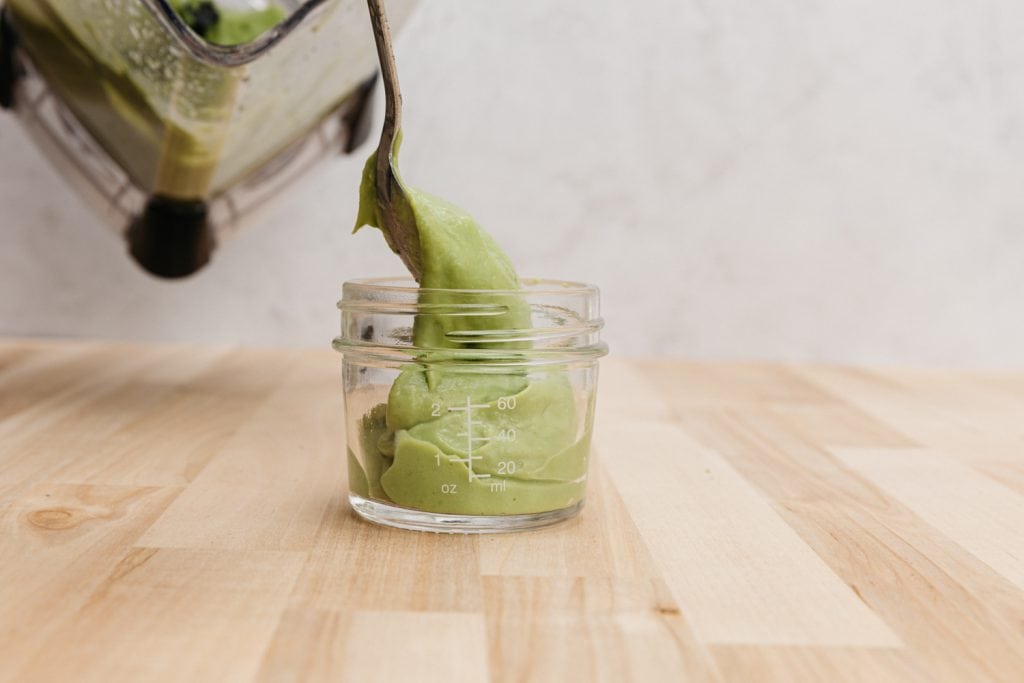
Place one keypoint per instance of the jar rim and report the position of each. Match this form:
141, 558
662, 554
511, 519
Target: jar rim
407, 285
380, 314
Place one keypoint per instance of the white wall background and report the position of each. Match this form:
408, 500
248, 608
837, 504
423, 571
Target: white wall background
787, 179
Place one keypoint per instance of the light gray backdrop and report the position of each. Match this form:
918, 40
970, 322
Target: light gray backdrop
786, 179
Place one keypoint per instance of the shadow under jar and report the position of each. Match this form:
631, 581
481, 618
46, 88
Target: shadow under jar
469, 411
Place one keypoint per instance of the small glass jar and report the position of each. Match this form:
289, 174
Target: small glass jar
467, 410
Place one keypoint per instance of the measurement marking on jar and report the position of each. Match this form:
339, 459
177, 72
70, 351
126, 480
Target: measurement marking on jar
470, 439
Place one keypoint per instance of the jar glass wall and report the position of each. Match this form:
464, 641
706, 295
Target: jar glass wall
459, 421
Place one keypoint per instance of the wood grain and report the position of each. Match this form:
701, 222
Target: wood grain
784, 594
173, 613
180, 514
979, 514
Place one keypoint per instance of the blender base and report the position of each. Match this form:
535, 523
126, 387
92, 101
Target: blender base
418, 520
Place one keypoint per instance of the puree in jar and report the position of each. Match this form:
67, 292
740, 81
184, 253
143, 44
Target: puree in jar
411, 445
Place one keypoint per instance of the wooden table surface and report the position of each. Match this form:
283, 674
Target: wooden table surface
180, 514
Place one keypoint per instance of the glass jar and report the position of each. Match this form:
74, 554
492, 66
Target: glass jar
458, 420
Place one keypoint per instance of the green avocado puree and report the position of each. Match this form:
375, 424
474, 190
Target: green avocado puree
232, 27
526, 444
115, 103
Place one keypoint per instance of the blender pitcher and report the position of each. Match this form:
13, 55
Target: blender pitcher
175, 139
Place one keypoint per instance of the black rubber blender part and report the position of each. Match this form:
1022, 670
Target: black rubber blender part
172, 238
9, 71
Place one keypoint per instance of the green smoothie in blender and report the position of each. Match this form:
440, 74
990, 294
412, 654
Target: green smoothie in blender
226, 26
160, 114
